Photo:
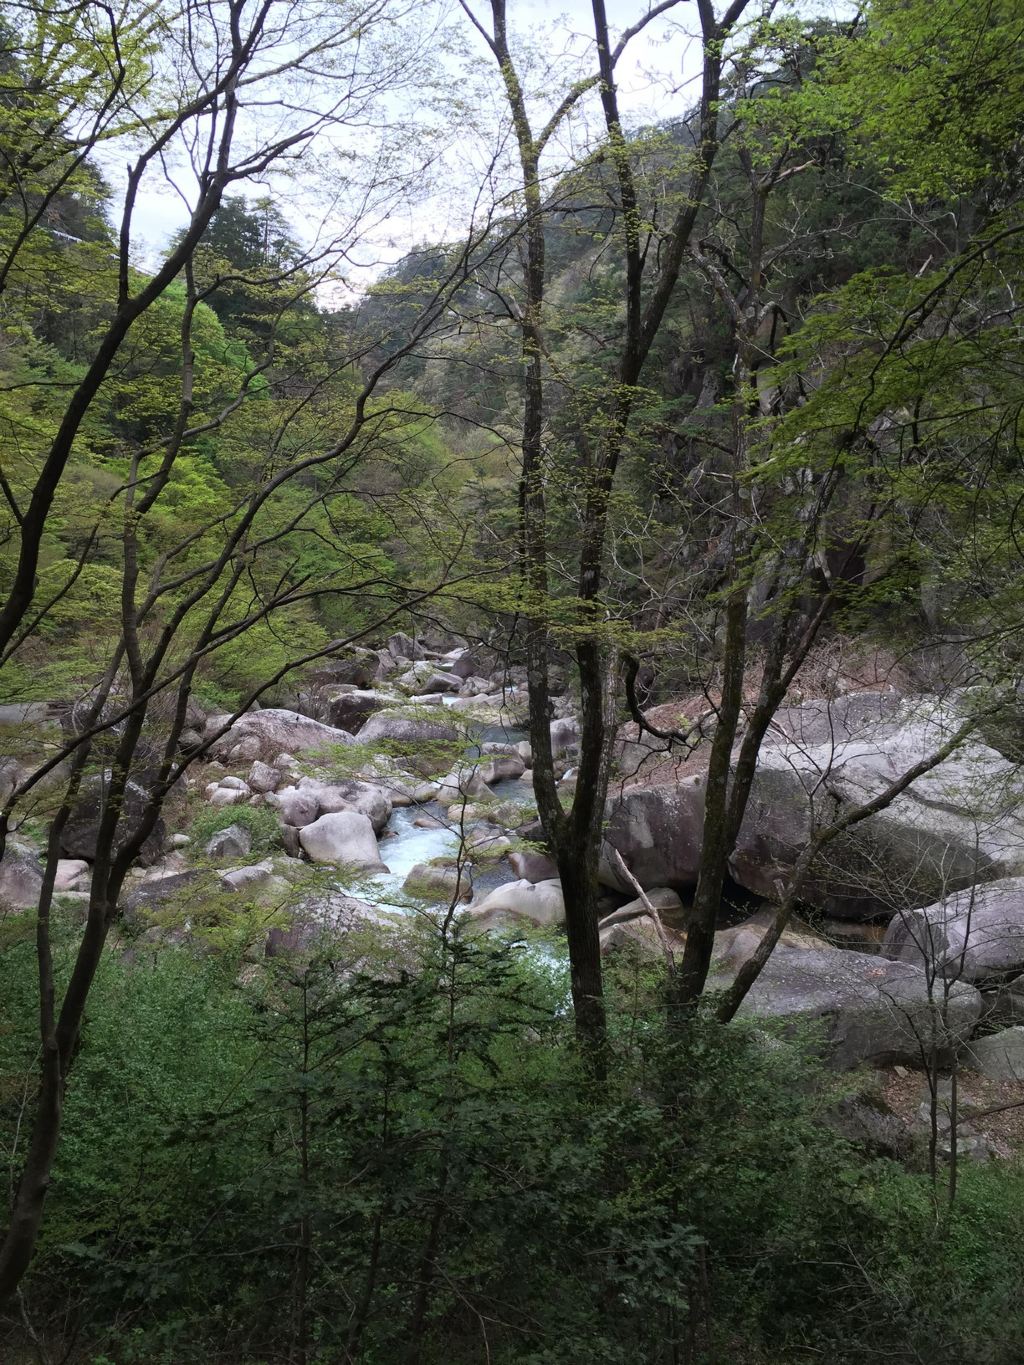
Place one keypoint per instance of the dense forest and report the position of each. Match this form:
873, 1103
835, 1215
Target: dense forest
511, 683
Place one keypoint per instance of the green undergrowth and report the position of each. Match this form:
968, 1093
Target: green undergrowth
394, 1161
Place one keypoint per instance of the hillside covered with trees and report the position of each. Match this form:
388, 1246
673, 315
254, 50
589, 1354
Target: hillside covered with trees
511, 683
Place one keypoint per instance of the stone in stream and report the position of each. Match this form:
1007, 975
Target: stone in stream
565, 735
438, 881
540, 903
501, 767
343, 837
461, 784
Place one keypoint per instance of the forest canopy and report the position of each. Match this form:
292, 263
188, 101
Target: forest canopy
511, 695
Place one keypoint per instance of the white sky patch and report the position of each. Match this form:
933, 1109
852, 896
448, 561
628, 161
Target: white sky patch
432, 149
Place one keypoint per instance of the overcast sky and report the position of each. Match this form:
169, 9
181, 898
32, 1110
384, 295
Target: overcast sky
657, 82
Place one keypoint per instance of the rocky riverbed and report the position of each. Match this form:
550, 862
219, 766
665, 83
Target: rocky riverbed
397, 782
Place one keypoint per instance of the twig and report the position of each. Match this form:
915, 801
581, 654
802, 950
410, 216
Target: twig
649, 908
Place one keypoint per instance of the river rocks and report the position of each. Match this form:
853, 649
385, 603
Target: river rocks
974, 935
477, 661
402, 646
257, 881
329, 915
664, 900
532, 866
488, 844
565, 735
72, 874
438, 882
1000, 1056
540, 903
961, 823
348, 794
501, 767
428, 678
398, 725
263, 778
21, 879
264, 734
356, 667
343, 837
640, 935
870, 1009
224, 794
349, 708
657, 830
233, 842
80, 834
957, 824
461, 785
295, 807
148, 896
833, 720
476, 687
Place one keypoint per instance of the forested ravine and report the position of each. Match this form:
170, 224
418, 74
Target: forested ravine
511, 684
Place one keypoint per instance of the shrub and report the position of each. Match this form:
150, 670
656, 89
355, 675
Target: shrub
260, 821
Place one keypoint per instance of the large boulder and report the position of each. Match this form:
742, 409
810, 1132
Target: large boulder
828, 720
357, 667
539, 903
1000, 1056
348, 794
662, 899
976, 934
265, 734
295, 807
398, 725
657, 831
565, 735
461, 784
870, 1009
348, 708
531, 865
344, 837
427, 677
72, 874
438, 882
501, 767
960, 823
81, 831
21, 879
402, 646
475, 662
191, 887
